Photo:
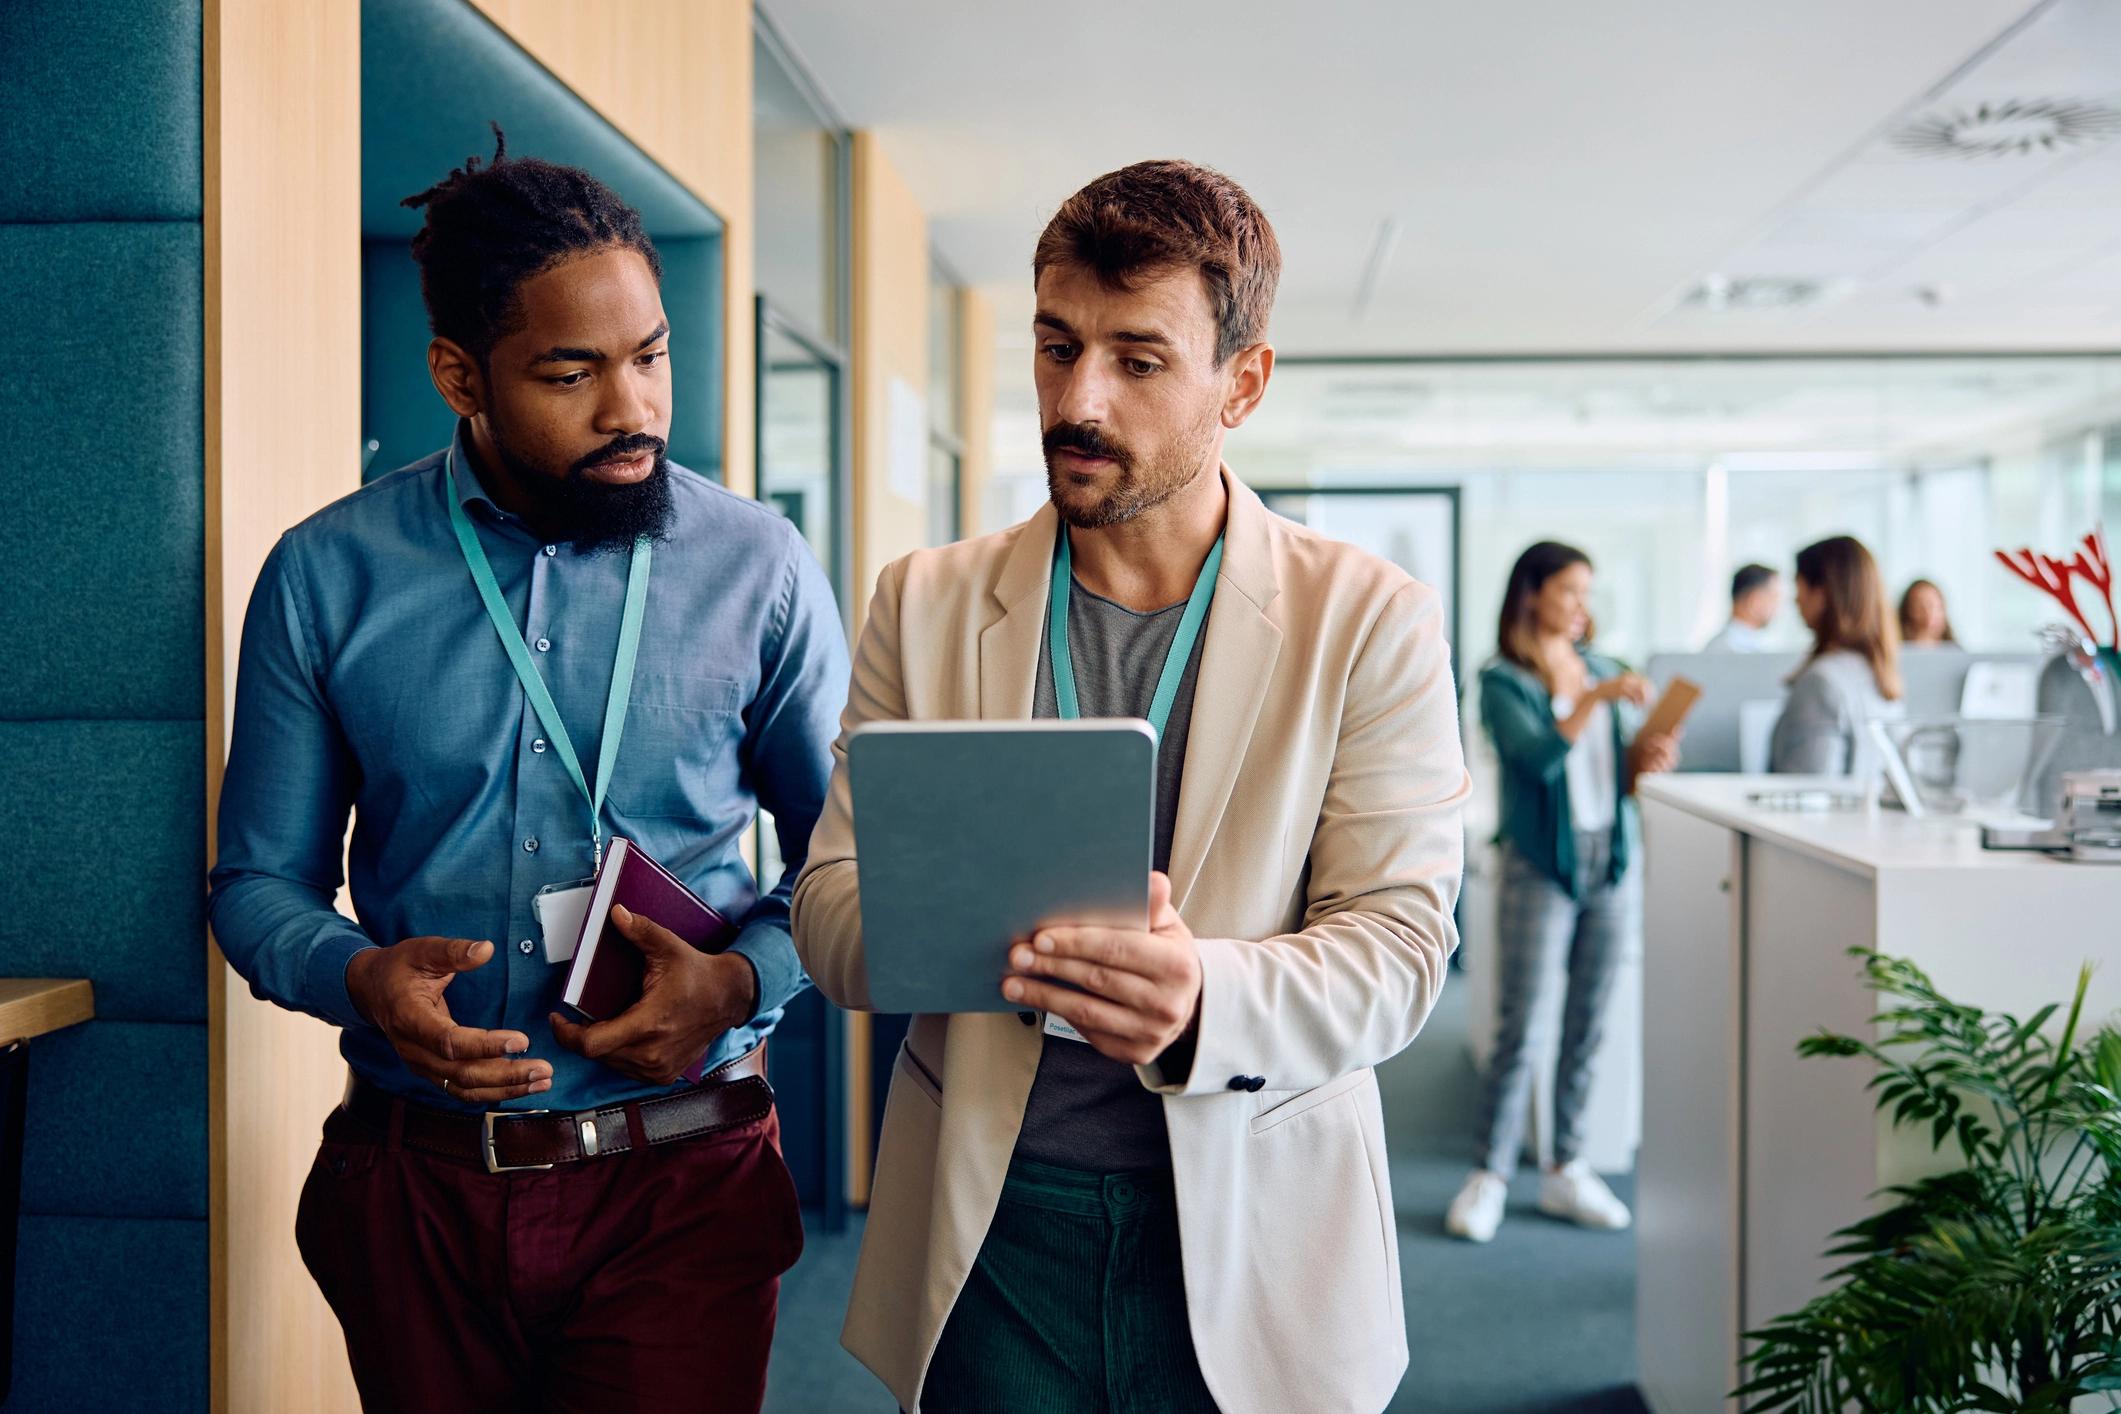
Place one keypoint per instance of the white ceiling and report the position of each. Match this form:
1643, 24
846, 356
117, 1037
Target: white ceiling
1819, 414
1558, 174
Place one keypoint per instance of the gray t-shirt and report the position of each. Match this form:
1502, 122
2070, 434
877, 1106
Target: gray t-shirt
1086, 1110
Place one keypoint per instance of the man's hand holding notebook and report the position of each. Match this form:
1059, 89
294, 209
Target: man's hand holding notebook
651, 975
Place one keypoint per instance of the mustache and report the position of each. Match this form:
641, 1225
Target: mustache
620, 449
1085, 438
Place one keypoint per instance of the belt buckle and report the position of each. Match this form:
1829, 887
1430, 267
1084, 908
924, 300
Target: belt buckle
493, 1164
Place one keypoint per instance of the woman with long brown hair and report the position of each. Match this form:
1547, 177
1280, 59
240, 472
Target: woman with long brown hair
1853, 673
1924, 621
1564, 720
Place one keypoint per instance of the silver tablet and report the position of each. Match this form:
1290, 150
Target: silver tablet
971, 835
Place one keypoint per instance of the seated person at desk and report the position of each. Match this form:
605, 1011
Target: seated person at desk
1756, 597
1923, 620
1564, 721
1166, 1190
1853, 673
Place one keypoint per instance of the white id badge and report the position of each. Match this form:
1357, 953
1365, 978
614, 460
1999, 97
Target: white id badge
560, 910
1057, 1027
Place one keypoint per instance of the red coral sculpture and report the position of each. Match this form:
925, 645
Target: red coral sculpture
2052, 576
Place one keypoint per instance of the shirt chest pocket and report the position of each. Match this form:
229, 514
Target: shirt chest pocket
679, 754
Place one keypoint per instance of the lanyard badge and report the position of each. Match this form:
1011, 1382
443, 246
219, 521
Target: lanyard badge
541, 702
1175, 660
1174, 670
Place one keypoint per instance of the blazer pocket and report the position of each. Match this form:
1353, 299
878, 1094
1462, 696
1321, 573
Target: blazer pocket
923, 1079
1283, 1111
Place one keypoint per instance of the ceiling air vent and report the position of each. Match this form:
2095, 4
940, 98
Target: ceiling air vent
2009, 129
1751, 292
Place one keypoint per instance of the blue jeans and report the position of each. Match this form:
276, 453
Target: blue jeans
1541, 935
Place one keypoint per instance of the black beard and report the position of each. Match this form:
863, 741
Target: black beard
593, 517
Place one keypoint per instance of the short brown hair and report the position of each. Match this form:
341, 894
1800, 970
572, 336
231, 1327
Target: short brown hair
1155, 217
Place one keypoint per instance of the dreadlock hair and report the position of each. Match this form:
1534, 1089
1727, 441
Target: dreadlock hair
490, 228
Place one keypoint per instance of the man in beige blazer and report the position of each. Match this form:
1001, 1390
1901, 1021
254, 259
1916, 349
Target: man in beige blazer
1166, 1190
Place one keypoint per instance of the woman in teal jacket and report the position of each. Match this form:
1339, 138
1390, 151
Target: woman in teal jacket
1564, 722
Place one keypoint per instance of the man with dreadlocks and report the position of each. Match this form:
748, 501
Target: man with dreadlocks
499, 658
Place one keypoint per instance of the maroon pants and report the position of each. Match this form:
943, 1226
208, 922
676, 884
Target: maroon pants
647, 1280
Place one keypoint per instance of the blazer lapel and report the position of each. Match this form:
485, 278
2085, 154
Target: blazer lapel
1237, 662
1008, 647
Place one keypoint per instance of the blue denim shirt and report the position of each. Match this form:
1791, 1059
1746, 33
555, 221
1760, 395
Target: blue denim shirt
372, 680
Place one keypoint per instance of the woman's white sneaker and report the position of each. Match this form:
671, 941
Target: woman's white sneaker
1575, 1194
1477, 1210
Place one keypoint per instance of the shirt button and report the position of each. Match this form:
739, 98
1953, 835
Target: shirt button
524, 947
538, 746
552, 549
530, 846
544, 644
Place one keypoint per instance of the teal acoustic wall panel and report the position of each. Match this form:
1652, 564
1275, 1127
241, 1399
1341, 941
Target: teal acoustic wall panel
400, 409
101, 1327
692, 298
146, 1155
105, 430
103, 106
102, 737
106, 823
436, 73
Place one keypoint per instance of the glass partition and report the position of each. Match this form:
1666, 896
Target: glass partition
946, 441
1671, 473
801, 187
799, 436
799, 190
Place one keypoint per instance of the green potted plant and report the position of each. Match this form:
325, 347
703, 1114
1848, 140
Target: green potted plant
1995, 1285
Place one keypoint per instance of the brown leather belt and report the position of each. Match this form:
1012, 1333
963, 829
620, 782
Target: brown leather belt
506, 1140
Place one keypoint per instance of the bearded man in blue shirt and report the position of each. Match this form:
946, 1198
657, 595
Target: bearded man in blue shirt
498, 659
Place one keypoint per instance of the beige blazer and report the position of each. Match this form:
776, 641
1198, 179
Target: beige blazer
1316, 856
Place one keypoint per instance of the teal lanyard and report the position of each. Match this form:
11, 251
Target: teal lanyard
541, 701
1175, 660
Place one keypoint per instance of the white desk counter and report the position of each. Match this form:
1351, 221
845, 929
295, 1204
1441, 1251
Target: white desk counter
1751, 1157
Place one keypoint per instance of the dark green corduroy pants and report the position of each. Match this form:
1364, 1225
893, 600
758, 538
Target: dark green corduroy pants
1077, 1304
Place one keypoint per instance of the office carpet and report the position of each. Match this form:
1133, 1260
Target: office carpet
1540, 1321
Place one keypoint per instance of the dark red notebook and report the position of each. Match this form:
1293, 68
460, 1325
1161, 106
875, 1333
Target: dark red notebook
606, 976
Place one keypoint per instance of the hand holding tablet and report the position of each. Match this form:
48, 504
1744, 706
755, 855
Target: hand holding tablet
972, 837
1131, 993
